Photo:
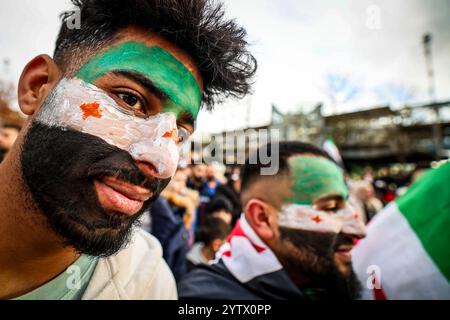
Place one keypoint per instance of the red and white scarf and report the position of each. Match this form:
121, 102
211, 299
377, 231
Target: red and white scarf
245, 255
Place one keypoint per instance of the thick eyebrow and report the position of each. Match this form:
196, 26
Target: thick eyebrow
143, 81
185, 117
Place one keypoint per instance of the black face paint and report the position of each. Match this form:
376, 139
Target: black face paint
59, 167
313, 258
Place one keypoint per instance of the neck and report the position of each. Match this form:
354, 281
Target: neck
30, 252
208, 253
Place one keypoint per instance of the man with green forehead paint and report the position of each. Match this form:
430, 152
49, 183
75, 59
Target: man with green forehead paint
107, 117
294, 238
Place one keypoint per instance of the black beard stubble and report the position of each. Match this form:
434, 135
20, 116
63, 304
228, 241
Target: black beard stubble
59, 167
311, 254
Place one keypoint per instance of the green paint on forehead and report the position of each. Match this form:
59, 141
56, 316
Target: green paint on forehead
167, 73
315, 177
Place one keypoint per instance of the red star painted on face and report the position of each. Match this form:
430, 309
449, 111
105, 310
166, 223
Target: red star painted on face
91, 110
356, 215
171, 134
317, 219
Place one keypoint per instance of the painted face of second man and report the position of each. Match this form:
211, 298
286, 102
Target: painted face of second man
317, 227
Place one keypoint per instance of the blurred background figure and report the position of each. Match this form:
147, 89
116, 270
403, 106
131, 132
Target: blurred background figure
172, 216
197, 176
362, 197
210, 236
231, 191
420, 169
8, 135
208, 191
213, 179
183, 200
220, 207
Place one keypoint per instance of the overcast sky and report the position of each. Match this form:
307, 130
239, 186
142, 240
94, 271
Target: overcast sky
375, 45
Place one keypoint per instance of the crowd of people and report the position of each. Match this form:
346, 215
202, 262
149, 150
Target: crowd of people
95, 205
200, 212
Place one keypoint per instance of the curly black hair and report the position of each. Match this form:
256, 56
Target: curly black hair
217, 45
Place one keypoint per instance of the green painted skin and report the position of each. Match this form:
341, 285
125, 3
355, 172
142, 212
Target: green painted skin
314, 177
167, 73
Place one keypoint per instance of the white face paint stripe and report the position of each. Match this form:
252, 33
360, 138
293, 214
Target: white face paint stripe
78, 105
305, 217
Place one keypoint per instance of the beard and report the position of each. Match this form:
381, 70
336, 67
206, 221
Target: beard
312, 256
59, 167
2, 154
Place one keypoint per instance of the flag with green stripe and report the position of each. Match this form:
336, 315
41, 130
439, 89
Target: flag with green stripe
406, 254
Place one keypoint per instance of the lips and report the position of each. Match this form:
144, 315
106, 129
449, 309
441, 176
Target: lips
344, 252
120, 196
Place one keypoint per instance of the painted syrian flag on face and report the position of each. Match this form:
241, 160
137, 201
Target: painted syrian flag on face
406, 254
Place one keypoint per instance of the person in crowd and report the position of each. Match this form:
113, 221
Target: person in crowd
221, 208
210, 236
108, 115
231, 191
363, 197
210, 184
8, 135
420, 168
294, 239
197, 176
207, 192
184, 201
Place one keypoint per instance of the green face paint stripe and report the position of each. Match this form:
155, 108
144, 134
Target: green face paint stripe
315, 177
164, 70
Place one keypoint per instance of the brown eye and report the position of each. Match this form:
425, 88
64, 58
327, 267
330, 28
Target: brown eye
130, 100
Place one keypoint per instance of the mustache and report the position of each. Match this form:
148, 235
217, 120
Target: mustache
120, 165
343, 239
321, 242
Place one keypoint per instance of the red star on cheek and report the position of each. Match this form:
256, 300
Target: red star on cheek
316, 219
356, 215
91, 110
171, 134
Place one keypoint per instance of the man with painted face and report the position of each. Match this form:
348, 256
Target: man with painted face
293, 239
107, 116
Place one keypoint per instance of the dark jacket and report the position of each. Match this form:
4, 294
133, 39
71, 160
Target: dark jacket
216, 282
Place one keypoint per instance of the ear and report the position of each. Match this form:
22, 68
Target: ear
38, 78
260, 217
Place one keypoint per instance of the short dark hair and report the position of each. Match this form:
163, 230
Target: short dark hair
251, 172
213, 228
218, 46
219, 203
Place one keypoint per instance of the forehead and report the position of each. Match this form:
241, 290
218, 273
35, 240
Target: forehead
152, 39
149, 56
314, 177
